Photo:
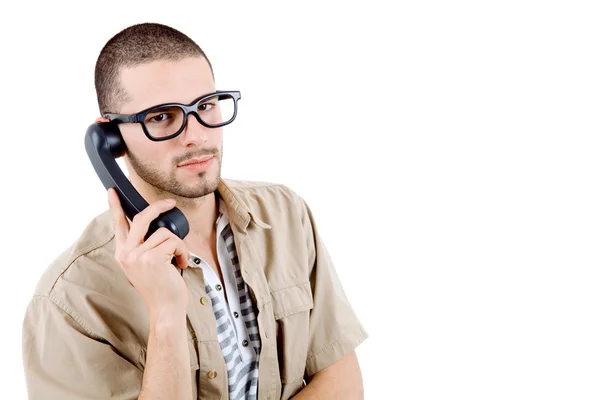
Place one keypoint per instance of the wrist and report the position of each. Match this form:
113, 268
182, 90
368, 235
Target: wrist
167, 318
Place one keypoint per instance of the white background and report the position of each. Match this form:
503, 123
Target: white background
449, 151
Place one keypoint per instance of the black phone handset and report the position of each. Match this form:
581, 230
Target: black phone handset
104, 143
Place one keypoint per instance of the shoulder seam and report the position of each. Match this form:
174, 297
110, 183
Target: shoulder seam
71, 313
81, 252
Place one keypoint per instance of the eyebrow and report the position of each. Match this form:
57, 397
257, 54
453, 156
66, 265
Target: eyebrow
167, 104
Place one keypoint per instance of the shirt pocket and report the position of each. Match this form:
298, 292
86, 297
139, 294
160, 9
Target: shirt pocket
291, 309
291, 300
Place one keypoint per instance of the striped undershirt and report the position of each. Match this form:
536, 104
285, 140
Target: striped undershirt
237, 328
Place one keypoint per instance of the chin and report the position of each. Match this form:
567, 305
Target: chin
200, 188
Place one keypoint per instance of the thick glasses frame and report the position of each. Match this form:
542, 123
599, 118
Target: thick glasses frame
188, 109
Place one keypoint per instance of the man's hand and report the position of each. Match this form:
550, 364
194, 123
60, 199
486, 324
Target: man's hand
147, 264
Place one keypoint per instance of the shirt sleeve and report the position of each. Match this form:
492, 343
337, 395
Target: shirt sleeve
64, 360
334, 328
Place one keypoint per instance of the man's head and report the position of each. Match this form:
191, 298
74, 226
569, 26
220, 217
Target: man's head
151, 64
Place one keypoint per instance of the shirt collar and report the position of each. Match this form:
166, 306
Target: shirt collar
236, 210
223, 214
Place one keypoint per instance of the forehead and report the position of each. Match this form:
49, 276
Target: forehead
165, 81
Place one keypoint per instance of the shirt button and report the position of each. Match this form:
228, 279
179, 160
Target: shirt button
218, 287
203, 301
235, 314
245, 343
212, 374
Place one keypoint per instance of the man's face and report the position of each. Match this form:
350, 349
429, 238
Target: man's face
160, 163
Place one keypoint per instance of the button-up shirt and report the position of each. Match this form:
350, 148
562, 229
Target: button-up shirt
85, 332
235, 313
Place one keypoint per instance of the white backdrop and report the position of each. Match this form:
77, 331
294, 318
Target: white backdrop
449, 151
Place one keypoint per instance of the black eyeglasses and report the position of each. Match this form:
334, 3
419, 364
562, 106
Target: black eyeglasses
165, 121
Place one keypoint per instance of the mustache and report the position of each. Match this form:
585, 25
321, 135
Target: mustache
199, 153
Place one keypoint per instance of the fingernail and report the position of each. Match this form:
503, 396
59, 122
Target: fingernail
170, 201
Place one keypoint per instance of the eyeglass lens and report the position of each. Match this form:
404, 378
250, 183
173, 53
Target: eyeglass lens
166, 121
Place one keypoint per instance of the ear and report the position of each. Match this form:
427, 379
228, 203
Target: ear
102, 119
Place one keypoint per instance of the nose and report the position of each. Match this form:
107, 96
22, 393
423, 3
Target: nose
194, 132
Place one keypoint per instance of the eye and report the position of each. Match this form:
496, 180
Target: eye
159, 117
206, 106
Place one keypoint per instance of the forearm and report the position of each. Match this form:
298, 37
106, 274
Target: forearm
342, 380
167, 373
323, 388
316, 389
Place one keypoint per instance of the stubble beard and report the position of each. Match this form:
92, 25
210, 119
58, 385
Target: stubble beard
168, 183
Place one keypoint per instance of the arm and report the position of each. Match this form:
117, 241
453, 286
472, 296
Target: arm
167, 374
341, 380
63, 359
334, 328
147, 265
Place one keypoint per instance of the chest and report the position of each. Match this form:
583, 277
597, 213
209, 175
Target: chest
208, 253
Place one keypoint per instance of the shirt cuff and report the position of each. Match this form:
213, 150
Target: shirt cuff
335, 350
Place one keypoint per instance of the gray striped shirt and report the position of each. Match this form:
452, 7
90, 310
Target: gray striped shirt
237, 328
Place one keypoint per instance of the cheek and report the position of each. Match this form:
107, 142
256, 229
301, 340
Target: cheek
133, 135
216, 139
149, 153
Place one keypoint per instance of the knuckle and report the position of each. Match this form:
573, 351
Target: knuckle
173, 245
164, 231
130, 259
183, 246
122, 258
145, 258
168, 242
119, 257
155, 207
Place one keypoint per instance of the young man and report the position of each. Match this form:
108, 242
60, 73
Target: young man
254, 308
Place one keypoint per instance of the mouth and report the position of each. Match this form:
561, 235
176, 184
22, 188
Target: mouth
200, 164
193, 161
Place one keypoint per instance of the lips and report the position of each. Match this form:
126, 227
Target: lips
199, 160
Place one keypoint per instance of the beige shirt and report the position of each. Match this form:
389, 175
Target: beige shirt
85, 330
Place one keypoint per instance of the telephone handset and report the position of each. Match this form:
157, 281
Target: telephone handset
104, 143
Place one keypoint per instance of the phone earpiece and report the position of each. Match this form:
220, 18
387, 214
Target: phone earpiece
114, 139
103, 144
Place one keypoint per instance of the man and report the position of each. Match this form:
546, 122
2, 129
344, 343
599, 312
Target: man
254, 308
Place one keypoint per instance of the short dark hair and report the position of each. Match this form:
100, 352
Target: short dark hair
135, 45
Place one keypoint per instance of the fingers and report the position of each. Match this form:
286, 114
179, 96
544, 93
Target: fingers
182, 260
120, 222
156, 239
176, 247
141, 222
163, 245
160, 237
130, 237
